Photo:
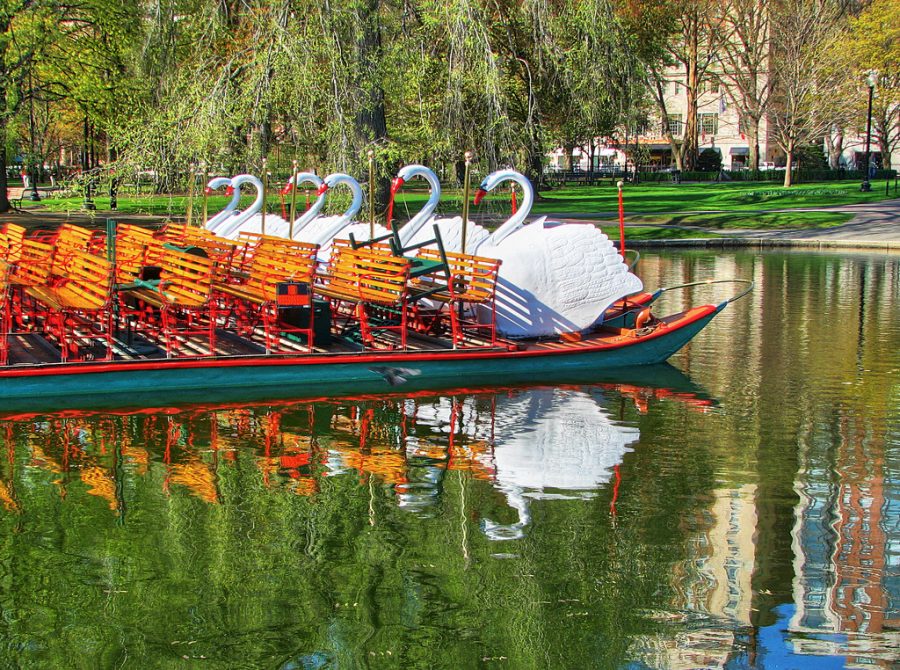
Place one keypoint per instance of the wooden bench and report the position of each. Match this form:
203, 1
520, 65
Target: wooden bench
181, 301
136, 252
374, 284
274, 266
32, 267
470, 281
15, 195
15, 234
68, 239
74, 305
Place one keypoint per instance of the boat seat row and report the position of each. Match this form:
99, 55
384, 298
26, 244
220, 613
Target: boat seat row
181, 283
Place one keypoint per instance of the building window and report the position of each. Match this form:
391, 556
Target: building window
672, 87
676, 124
709, 123
708, 86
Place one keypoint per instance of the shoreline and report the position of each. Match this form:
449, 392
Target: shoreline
747, 242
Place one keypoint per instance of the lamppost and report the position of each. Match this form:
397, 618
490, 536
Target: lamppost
33, 196
865, 187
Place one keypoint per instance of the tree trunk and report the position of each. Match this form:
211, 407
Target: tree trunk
4, 198
570, 157
689, 147
371, 121
789, 164
882, 134
535, 160
752, 131
835, 147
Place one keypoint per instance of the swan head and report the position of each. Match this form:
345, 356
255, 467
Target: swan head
242, 179
337, 178
490, 182
301, 178
218, 182
407, 172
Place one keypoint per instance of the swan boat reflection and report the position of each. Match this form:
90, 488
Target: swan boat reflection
526, 444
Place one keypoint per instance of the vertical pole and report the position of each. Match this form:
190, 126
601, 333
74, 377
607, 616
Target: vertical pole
205, 195
465, 204
621, 223
866, 186
265, 183
371, 194
190, 198
294, 186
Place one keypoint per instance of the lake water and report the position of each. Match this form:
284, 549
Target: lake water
740, 509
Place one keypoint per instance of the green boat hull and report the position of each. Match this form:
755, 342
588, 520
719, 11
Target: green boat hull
143, 383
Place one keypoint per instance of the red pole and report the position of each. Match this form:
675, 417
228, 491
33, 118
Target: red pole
621, 223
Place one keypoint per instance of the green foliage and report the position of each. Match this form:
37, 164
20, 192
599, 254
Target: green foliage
710, 160
811, 157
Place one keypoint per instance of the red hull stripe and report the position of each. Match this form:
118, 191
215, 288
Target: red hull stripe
54, 369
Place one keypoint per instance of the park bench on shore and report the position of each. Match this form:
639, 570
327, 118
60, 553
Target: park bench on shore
15, 195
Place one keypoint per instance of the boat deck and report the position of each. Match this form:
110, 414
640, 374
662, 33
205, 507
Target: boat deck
33, 348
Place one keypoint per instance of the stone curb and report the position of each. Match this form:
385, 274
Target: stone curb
736, 242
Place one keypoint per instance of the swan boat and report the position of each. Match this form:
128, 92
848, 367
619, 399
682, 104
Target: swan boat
82, 322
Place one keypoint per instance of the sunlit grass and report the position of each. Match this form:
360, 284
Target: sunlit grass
674, 204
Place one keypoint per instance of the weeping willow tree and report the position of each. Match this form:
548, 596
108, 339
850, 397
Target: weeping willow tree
415, 80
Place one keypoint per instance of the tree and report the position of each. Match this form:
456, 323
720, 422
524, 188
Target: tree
873, 44
693, 49
803, 78
745, 56
19, 44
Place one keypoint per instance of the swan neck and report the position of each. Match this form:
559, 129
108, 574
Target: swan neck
415, 224
514, 222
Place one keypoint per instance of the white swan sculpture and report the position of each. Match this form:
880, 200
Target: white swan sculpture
418, 230
251, 220
341, 227
215, 184
302, 221
554, 278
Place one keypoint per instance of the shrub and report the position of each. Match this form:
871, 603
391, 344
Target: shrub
709, 160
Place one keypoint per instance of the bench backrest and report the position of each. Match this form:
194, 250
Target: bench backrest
472, 278
273, 265
87, 281
15, 234
69, 238
136, 248
370, 274
185, 278
34, 263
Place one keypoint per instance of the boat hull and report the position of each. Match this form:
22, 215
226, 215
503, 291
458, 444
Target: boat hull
137, 383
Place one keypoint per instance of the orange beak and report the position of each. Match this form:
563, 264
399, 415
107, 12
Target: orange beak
322, 188
479, 194
287, 188
396, 185
229, 190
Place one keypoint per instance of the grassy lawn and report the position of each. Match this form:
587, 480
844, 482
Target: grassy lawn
667, 203
755, 221
653, 233
705, 197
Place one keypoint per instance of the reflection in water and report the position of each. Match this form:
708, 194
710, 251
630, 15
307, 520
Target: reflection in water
541, 443
620, 525
553, 443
